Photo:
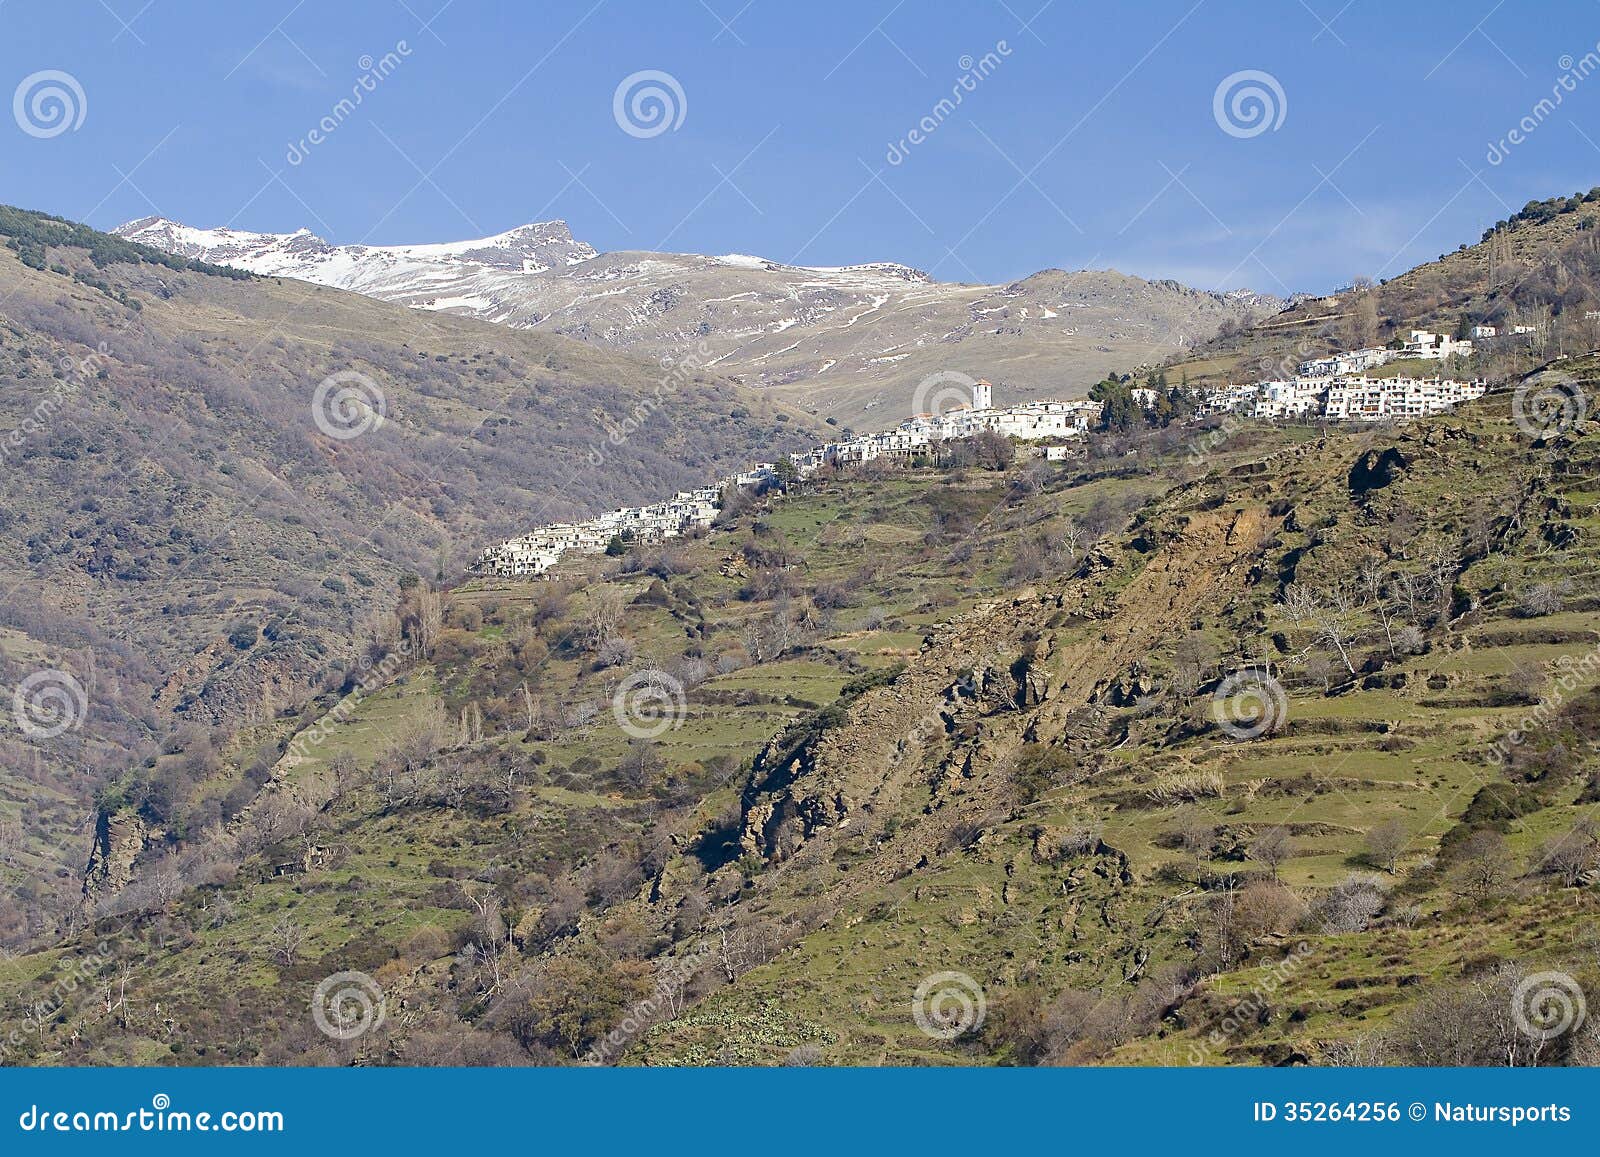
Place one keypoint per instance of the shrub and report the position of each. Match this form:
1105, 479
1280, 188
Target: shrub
1038, 769
1350, 906
1188, 785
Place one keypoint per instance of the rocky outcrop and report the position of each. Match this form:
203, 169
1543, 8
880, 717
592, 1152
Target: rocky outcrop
990, 680
1131, 686
1376, 469
118, 840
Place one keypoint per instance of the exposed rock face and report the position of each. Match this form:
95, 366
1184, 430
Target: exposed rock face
962, 709
1131, 686
1376, 469
1035, 688
118, 840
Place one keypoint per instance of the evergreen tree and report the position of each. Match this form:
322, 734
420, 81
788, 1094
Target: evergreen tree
1118, 411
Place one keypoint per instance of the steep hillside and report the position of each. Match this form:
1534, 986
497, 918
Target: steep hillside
1538, 268
1300, 769
212, 481
1255, 745
848, 343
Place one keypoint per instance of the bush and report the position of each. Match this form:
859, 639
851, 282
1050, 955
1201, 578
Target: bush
1038, 769
1541, 599
1350, 906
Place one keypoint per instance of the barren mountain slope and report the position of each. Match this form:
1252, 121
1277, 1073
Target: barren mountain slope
1003, 756
849, 342
195, 530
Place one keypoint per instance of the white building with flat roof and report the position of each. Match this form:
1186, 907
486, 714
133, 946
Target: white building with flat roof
1320, 388
1349, 362
1434, 346
1293, 398
1363, 399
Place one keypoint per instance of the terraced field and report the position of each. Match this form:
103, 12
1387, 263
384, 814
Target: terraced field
1002, 752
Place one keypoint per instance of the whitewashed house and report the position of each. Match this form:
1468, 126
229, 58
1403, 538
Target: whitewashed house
1349, 362
1434, 346
1293, 398
1366, 399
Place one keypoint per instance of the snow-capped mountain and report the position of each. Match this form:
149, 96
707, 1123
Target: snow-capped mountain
459, 277
843, 340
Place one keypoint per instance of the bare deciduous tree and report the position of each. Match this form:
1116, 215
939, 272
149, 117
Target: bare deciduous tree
424, 618
1475, 1023
1542, 599
1272, 847
1351, 905
1484, 867
755, 641
286, 938
1571, 856
603, 614
1375, 585
1197, 833
1386, 843
1333, 614
1193, 661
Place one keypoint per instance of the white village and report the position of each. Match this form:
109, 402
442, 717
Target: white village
1333, 388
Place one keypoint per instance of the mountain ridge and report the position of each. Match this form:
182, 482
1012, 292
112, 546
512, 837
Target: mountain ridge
840, 341
1193, 749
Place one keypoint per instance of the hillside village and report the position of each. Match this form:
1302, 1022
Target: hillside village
1254, 735
1338, 388
1334, 388
1039, 421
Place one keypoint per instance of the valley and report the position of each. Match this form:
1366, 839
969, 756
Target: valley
1217, 739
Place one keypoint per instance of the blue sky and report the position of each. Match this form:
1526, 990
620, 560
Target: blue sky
1092, 140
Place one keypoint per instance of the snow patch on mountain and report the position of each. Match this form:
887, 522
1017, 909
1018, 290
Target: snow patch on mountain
742, 313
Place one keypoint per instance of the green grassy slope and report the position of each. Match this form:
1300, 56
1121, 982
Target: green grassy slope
864, 787
180, 536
